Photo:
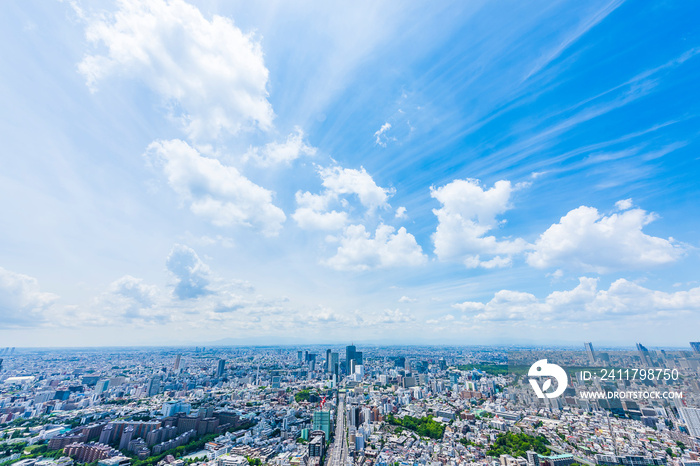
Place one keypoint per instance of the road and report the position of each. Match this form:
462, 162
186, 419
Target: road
339, 449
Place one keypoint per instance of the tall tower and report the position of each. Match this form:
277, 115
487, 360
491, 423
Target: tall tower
644, 354
220, 368
176, 365
590, 352
349, 356
696, 346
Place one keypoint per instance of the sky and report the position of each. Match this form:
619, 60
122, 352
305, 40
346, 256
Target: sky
371, 172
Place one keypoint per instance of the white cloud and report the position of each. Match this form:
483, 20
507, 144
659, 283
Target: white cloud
314, 210
473, 262
380, 137
276, 153
587, 240
312, 214
359, 251
467, 214
624, 204
135, 289
22, 303
211, 74
127, 299
191, 274
401, 213
213, 190
350, 181
406, 299
584, 303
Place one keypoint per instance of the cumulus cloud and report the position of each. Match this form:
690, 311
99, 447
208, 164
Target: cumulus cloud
588, 240
127, 299
467, 214
585, 302
312, 212
350, 181
406, 299
276, 153
359, 251
211, 74
191, 274
401, 213
22, 303
215, 191
624, 204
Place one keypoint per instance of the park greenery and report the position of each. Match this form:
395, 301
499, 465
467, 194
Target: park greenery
424, 426
518, 445
306, 395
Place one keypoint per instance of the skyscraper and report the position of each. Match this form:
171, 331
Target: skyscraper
154, 386
644, 354
335, 364
696, 346
691, 416
590, 352
176, 365
220, 368
328, 360
349, 356
322, 421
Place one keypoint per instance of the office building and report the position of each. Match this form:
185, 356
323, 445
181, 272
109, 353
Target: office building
691, 416
349, 356
644, 354
101, 386
317, 444
693, 344
590, 352
322, 422
176, 364
220, 368
335, 364
154, 386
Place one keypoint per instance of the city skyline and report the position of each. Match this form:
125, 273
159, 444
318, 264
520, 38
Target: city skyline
182, 173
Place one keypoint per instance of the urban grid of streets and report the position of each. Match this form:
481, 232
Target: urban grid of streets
388, 406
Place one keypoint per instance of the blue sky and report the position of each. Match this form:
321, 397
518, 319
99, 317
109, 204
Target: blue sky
473, 173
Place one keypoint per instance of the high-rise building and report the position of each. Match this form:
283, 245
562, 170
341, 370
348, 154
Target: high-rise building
101, 386
220, 368
696, 346
590, 352
154, 386
335, 364
644, 354
328, 360
317, 444
349, 356
176, 365
300, 355
691, 416
322, 421
358, 358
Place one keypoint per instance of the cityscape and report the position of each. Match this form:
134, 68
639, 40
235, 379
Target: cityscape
342, 406
359, 233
